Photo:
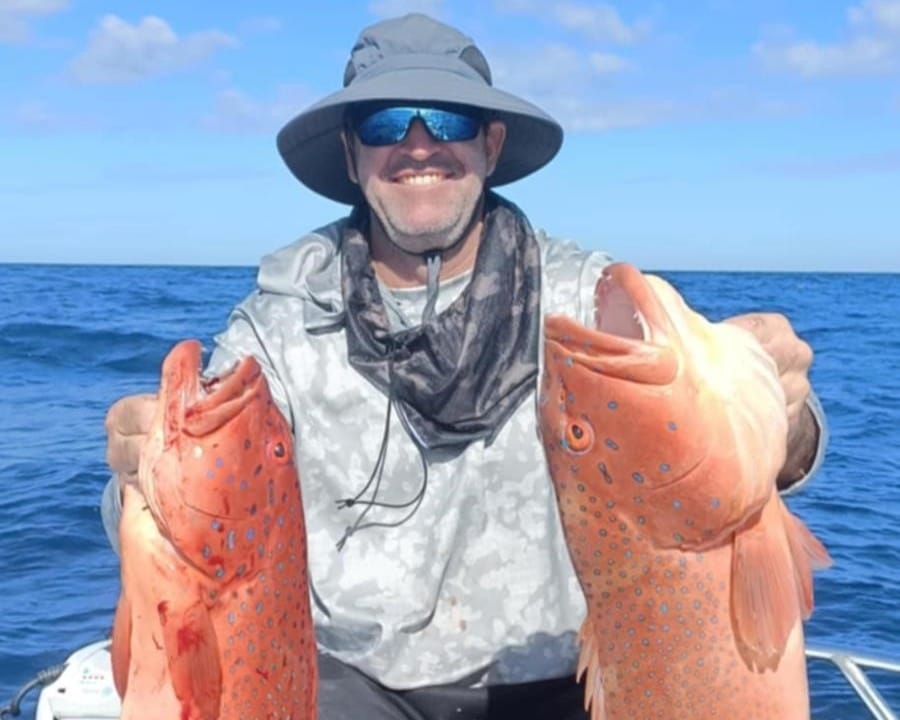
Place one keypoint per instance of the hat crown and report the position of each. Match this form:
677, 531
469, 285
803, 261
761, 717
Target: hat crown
414, 40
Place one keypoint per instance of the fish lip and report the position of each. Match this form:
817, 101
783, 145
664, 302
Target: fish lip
650, 359
180, 384
197, 406
221, 398
642, 361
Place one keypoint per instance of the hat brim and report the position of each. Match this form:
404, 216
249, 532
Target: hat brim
310, 144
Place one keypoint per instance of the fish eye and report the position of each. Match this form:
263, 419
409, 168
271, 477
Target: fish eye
579, 436
279, 450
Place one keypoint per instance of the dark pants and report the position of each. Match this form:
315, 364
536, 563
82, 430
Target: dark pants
347, 694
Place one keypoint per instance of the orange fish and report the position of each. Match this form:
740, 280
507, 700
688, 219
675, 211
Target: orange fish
664, 434
213, 621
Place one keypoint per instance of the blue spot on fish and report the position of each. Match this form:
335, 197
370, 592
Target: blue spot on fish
607, 478
216, 525
229, 540
664, 467
715, 503
210, 474
206, 551
612, 405
671, 425
220, 462
251, 533
220, 572
569, 362
611, 444
676, 504
637, 477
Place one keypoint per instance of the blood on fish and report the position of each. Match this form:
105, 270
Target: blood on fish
191, 564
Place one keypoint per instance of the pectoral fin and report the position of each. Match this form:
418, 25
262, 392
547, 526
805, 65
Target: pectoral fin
193, 655
589, 668
765, 599
808, 554
120, 648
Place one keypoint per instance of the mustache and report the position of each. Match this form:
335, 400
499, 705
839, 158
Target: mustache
440, 162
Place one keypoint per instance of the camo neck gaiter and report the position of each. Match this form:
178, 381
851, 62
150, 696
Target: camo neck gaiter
460, 375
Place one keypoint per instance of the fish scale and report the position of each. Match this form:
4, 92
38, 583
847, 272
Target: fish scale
663, 446
214, 620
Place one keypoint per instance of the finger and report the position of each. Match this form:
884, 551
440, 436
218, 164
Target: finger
131, 415
127, 478
775, 334
762, 325
123, 453
796, 392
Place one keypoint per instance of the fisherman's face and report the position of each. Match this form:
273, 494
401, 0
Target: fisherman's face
423, 191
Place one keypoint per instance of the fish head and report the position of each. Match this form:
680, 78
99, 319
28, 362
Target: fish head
651, 398
218, 449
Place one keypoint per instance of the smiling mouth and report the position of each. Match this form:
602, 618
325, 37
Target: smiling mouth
421, 179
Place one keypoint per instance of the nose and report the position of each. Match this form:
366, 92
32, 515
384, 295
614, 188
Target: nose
418, 137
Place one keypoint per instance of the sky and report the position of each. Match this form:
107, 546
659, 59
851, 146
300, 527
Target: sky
700, 134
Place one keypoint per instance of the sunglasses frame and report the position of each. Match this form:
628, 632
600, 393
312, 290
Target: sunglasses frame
358, 115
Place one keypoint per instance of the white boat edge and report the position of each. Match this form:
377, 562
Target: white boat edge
84, 690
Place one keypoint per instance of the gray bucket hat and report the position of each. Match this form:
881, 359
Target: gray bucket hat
413, 59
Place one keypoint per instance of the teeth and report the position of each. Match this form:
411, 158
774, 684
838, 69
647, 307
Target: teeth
642, 324
429, 179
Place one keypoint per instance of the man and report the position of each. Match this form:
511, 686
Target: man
401, 343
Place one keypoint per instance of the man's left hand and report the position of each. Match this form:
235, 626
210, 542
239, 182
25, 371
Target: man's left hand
793, 358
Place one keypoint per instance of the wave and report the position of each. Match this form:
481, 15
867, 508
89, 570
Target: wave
59, 345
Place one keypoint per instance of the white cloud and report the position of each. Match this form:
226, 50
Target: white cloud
119, 52
580, 114
607, 63
16, 15
564, 81
235, 111
262, 24
878, 163
873, 46
34, 116
39, 117
394, 8
881, 14
596, 21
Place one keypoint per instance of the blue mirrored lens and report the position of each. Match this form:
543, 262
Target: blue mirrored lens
390, 125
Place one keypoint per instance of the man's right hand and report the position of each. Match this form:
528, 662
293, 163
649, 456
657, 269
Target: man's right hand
127, 423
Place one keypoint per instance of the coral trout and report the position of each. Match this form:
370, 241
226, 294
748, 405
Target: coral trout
664, 434
213, 621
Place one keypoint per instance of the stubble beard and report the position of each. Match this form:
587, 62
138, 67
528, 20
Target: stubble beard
418, 238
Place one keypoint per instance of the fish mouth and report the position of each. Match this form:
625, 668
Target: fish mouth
199, 406
631, 335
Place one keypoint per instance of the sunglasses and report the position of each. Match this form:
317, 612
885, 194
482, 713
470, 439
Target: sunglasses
390, 125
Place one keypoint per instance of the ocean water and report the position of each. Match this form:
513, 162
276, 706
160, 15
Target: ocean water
75, 338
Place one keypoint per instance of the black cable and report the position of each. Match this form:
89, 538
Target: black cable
44, 677
378, 471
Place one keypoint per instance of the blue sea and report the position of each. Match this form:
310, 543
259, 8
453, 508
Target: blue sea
75, 338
